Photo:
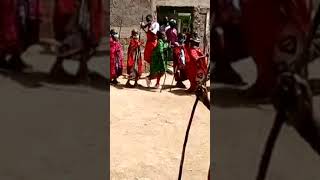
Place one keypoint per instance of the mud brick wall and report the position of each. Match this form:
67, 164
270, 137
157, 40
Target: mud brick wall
183, 3
202, 17
128, 13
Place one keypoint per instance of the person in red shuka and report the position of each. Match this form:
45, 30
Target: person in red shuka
153, 28
179, 61
134, 61
197, 64
116, 57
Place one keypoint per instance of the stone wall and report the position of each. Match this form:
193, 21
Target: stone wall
183, 3
201, 24
128, 14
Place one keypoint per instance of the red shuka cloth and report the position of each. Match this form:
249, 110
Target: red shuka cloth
263, 22
9, 38
63, 12
195, 67
96, 20
133, 48
12, 39
115, 50
150, 45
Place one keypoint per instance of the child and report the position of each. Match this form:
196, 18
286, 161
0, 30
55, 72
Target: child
134, 62
158, 61
179, 61
116, 57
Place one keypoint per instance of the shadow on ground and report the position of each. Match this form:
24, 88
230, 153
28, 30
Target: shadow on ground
169, 88
37, 80
139, 87
230, 97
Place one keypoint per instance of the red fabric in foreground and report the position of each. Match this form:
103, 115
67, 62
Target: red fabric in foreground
262, 22
97, 19
63, 12
9, 39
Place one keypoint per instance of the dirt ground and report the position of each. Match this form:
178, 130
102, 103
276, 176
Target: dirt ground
147, 132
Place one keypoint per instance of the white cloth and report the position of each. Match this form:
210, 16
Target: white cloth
154, 28
183, 57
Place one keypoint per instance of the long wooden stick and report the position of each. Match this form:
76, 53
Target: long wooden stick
164, 81
273, 136
186, 138
174, 72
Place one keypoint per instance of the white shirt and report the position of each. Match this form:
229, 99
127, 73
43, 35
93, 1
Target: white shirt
154, 28
183, 57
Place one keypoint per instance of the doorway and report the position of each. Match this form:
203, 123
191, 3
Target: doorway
183, 16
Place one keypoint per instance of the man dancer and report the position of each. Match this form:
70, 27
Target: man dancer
165, 26
158, 64
152, 30
179, 61
134, 61
171, 33
172, 37
197, 65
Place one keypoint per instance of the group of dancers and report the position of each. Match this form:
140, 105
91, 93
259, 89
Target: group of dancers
163, 44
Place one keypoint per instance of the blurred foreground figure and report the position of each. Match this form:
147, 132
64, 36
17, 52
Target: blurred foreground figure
269, 31
78, 27
19, 29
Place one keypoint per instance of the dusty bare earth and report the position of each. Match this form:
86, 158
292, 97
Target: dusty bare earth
241, 127
147, 133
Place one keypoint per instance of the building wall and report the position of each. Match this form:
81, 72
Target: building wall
181, 3
128, 14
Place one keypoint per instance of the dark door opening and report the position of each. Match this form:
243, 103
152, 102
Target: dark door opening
183, 16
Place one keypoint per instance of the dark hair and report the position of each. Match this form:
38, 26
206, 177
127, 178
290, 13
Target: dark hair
112, 32
181, 36
165, 20
161, 35
172, 24
149, 17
